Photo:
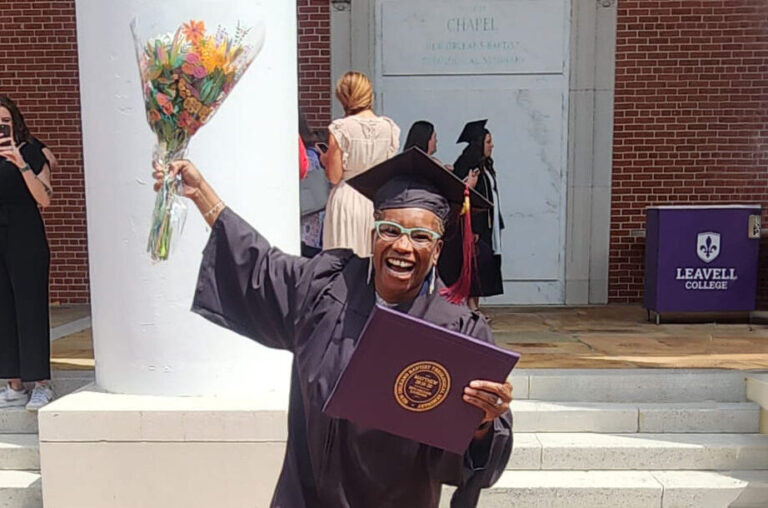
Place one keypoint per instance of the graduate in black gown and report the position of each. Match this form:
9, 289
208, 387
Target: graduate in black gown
316, 309
475, 163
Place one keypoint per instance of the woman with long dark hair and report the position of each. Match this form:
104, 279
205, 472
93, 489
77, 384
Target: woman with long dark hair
422, 135
25, 185
475, 165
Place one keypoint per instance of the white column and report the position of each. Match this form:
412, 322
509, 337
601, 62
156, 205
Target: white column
146, 340
134, 440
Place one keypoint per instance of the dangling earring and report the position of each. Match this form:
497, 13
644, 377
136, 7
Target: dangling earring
370, 268
432, 281
370, 258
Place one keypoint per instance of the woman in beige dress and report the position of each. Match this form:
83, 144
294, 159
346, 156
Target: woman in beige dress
357, 142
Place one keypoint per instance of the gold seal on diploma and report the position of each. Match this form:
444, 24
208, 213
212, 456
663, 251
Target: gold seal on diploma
422, 386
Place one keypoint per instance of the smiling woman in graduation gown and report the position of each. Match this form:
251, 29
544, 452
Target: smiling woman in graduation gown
316, 308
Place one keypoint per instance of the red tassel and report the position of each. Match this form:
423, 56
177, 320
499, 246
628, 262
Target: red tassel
458, 292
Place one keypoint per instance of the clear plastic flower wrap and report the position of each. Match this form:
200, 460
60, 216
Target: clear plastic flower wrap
186, 74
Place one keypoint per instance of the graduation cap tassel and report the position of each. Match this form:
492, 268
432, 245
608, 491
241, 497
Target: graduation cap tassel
458, 292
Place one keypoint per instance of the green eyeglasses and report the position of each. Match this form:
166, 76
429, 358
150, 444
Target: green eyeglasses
391, 231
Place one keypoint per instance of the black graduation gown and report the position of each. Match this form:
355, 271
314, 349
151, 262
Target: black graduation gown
489, 281
316, 308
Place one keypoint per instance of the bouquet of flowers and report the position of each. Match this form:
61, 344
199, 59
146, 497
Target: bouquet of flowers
185, 76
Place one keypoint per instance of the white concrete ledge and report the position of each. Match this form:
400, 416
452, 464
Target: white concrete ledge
92, 414
158, 452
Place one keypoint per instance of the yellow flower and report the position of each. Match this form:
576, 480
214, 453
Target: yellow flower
192, 105
213, 56
204, 113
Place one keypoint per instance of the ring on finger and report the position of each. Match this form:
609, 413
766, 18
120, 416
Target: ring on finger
499, 402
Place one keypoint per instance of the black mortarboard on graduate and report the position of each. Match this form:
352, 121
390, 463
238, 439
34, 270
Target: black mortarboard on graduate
472, 130
413, 179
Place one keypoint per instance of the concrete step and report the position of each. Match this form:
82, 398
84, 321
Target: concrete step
587, 451
633, 385
17, 421
21, 421
67, 381
19, 452
709, 417
20, 489
627, 489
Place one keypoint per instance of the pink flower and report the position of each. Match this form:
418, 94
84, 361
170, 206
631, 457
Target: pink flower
162, 55
200, 72
184, 119
188, 68
162, 99
192, 58
167, 108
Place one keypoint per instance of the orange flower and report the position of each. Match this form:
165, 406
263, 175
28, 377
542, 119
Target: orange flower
153, 115
194, 30
162, 99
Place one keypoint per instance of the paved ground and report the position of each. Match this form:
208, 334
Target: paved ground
609, 336
619, 336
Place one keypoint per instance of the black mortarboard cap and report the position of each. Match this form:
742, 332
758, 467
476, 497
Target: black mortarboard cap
413, 179
472, 130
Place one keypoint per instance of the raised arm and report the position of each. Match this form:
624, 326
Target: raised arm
34, 168
244, 284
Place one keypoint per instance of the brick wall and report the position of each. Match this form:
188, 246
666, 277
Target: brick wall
691, 118
314, 37
38, 70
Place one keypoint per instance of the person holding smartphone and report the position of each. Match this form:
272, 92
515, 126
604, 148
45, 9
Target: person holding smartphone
25, 187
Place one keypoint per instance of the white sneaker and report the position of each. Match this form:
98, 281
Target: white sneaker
41, 395
13, 398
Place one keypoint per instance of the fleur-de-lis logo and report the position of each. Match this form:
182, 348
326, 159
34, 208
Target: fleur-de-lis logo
708, 246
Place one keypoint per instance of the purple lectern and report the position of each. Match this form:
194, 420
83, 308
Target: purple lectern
701, 258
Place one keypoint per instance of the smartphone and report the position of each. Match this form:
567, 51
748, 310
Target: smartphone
322, 146
5, 135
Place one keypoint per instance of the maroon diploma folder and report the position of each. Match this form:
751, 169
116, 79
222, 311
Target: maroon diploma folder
407, 377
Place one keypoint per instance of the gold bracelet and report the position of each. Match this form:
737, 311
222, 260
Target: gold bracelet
215, 208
